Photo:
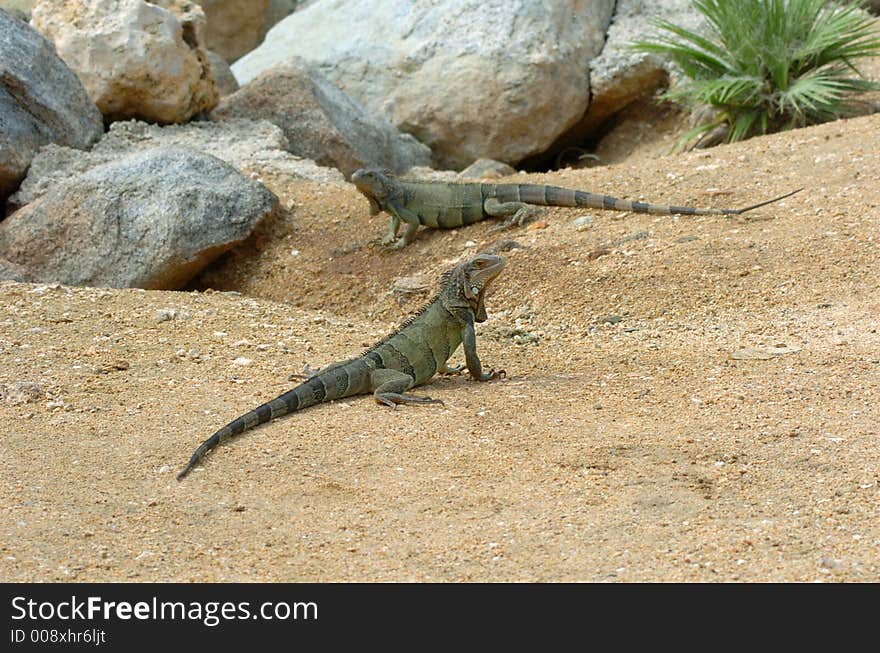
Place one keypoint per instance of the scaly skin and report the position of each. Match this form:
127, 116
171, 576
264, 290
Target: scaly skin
408, 357
447, 205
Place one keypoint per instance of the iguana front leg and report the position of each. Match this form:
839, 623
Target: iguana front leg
517, 213
412, 224
469, 342
394, 226
390, 386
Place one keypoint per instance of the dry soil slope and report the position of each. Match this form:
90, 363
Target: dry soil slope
637, 450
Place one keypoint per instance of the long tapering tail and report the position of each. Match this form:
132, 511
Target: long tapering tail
555, 196
288, 402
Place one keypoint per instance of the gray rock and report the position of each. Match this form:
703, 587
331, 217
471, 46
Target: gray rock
236, 27
248, 145
150, 220
620, 75
224, 80
321, 122
486, 169
10, 271
469, 78
20, 7
41, 101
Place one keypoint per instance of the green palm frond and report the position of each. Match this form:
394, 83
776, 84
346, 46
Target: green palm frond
767, 65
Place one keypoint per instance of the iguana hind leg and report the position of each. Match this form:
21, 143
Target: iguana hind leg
390, 386
517, 213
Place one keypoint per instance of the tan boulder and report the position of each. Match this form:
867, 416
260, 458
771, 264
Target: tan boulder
136, 59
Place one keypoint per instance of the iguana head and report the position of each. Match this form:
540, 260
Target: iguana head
470, 279
374, 185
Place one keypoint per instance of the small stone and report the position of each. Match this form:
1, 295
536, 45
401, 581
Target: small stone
829, 563
583, 222
405, 288
597, 253
21, 392
540, 224
168, 314
241, 361
609, 319
639, 235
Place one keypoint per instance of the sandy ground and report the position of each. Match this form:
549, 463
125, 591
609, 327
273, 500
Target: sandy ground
687, 399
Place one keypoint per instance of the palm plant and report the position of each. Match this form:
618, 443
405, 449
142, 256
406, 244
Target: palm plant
769, 65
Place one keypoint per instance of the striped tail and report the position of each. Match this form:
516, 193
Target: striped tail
304, 395
555, 196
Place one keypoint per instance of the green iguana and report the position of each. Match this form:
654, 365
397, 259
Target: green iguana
448, 205
408, 357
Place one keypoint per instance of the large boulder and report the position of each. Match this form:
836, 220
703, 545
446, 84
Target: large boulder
136, 59
321, 122
236, 27
620, 75
41, 101
13, 272
150, 220
249, 146
469, 78
224, 80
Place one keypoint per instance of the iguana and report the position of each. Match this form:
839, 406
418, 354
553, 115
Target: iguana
448, 205
410, 356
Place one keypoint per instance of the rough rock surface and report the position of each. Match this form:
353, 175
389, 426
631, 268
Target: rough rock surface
321, 122
137, 59
10, 271
251, 146
236, 27
150, 220
224, 80
41, 101
486, 169
469, 78
620, 76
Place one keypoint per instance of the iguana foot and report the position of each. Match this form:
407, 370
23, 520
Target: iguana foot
491, 374
400, 243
